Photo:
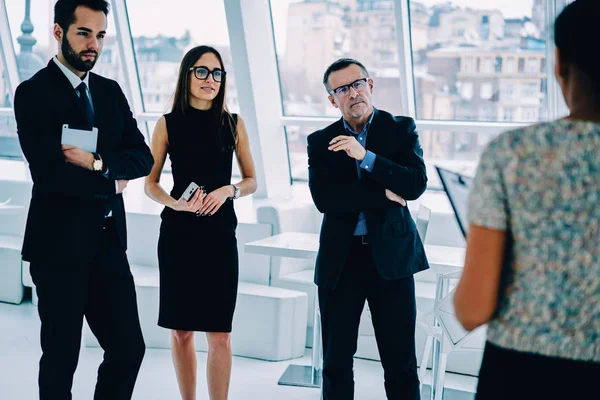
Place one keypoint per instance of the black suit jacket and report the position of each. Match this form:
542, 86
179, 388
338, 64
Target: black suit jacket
341, 196
66, 213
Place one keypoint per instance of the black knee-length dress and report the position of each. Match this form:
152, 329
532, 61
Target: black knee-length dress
197, 256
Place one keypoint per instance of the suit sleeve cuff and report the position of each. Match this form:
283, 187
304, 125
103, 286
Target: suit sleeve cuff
105, 174
368, 162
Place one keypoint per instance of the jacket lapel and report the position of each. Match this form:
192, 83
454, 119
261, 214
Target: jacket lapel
64, 94
344, 163
376, 137
99, 100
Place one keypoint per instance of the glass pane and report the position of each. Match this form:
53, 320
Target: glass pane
4, 88
456, 151
32, 38
310, 35
296, 143
159, 48
484, 64
109, 63
9, 143
35, 45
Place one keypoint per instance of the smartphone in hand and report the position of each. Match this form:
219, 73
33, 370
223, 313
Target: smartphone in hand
190, 191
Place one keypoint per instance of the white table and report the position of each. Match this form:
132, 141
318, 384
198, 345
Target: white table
442, 260
305, 246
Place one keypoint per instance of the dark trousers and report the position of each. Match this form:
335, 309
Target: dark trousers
393, 311
103, 292
516, 375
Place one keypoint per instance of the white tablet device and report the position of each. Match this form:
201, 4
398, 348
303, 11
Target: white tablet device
81, 138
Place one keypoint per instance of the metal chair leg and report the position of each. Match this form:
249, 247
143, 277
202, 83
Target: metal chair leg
425, 359
441, 376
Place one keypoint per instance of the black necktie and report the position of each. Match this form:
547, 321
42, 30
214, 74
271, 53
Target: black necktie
85, 105
88, 119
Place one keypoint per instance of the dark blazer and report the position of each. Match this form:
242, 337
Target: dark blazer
66, 213
341, 196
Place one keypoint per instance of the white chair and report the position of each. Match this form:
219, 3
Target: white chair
423, 217
446, 329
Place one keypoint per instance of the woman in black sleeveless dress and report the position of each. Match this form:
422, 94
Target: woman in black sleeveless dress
197, 249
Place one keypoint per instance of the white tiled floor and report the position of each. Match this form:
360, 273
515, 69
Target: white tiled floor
252, 379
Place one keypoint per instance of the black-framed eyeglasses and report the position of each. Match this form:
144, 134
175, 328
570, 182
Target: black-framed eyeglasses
344, 90
202, 73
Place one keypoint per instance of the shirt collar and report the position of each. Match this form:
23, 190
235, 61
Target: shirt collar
74, 79
365, 129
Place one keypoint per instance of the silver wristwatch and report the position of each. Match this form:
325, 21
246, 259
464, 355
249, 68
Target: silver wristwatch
236, 193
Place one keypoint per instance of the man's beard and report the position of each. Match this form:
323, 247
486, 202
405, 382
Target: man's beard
74, 59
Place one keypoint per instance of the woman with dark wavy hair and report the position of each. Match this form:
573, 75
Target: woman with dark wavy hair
197, 248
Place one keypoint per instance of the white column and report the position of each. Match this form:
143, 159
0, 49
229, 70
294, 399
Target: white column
127, 55
259, 94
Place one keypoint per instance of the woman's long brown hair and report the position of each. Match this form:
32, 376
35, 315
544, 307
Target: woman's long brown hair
220, 114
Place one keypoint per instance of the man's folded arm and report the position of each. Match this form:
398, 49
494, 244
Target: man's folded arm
135, 159
331, 196
49, 169
408, 180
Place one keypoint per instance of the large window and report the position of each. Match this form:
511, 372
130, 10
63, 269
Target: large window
4, 88
32, 42
459, 44
466, 69
471, 62
296, 142
310, 35
455, 150
9, 145
34, 46
160, 47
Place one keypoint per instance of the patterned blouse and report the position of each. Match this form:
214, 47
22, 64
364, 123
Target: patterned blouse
541, 184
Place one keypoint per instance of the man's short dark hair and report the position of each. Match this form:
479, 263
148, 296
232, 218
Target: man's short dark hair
338, 65
64, 10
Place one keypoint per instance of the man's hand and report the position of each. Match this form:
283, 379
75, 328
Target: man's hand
394, 197
79, 157
122, 185
350, 145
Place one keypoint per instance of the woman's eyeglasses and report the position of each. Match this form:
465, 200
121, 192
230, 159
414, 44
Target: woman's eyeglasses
203, 72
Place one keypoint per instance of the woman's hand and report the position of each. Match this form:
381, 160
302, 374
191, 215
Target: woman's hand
193, 205
215, 199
